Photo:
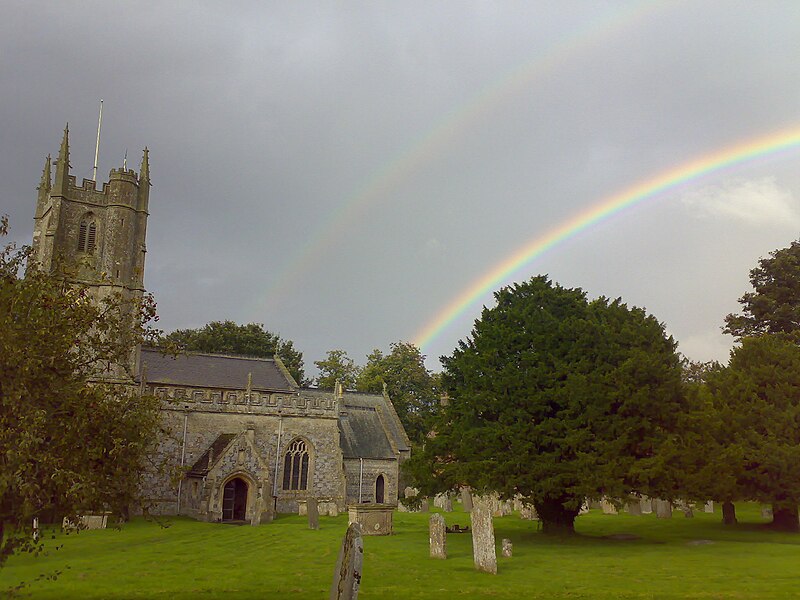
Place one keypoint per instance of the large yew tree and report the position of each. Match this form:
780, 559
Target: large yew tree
557, 398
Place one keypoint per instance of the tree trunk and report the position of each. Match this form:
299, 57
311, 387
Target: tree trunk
785, 517
728, 513
556, 520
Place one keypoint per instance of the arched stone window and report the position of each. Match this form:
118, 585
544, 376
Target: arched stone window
87, 234
295, 466
380, 486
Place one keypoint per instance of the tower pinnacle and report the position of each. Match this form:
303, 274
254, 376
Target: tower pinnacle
62, 165
144, 172
47, 179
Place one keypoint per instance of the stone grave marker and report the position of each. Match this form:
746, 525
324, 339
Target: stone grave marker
438, 536
483, 544
347, 576
447, 503
708, 506
424, 506
608, 508
663, 509
507, 548
313, 513
646, 505
634, 507
466, 499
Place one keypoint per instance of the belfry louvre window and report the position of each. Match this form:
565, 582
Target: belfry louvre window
87, 236
295, 466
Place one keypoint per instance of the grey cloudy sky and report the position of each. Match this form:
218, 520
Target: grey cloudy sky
342, 171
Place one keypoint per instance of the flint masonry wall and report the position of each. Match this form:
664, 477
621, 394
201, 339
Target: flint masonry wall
207, 413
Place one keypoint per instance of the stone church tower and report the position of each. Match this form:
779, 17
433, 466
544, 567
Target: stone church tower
95, 237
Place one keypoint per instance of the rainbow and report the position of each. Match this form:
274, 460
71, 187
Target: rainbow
645, 190
435, 140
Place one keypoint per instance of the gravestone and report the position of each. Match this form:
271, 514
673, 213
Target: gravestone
663, 509
608, 508
424, 506
507, 549
646, 505
584, 510
313, 513
347, 576
766, 511
447, 503
708, 506
528, 513
438, 536
466, 499
634, 507
483, 544
333, 510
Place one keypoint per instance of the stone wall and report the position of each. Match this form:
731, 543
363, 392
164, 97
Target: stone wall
372, 468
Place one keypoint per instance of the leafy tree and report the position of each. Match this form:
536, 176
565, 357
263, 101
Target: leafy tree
774, 304
337, 366
69, 443
411, 386
758, 405
557, 399
226, 337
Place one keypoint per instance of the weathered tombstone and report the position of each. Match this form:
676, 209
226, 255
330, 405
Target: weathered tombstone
466, 499
410, 492
634, 507
424, 507
528, 513
646, 505
584, 510
608, 508
302, 508
688, 511
438, 500
708, 506
438, 536
483, 544
347, 576
447, 503
507, 549
333, 510
663, 509
313, 513
766, 511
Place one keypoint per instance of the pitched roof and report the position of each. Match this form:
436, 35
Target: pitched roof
214, 370
369, 427
210, 456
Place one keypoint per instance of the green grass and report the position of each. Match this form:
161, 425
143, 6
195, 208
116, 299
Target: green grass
287, 560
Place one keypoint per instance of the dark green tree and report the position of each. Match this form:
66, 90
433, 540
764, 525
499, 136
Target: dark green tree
227, 337
336, 366
69, 443
774, 304
410, 385
757, 402
557, 399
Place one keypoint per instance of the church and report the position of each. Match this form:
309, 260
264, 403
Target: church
246, 439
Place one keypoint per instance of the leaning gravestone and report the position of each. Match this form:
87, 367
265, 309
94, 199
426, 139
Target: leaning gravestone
483, 544
466, 499
507, 549
447, 503
438, 536
347, 576
313, 513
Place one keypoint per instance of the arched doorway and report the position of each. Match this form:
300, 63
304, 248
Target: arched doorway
234, 500
379, 487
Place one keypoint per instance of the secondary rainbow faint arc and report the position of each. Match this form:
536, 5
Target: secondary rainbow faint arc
607, 207
446, 129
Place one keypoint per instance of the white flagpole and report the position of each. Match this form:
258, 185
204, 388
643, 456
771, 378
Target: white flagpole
97, 144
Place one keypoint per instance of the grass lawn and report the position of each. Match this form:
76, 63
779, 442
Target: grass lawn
287, 560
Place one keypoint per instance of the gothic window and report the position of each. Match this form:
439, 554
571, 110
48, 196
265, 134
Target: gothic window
295, 466
87, 235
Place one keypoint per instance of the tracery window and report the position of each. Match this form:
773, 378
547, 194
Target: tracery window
295, 466
87, 235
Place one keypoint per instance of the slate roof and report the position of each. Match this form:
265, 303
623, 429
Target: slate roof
364, 432
205, 462
213, 370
